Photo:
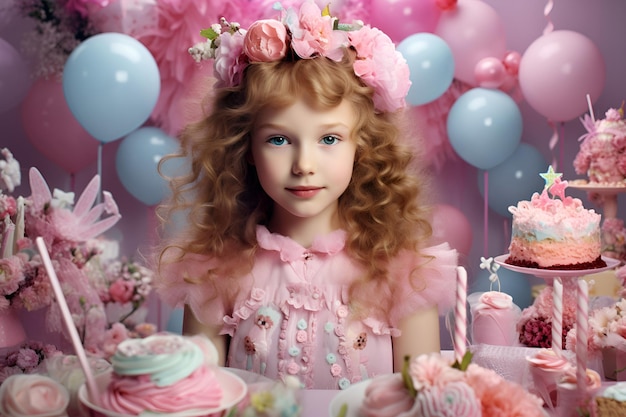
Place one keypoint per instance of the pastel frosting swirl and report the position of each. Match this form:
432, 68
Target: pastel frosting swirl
616, 392
166, 358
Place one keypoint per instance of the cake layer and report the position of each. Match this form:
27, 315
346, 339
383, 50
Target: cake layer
551, 254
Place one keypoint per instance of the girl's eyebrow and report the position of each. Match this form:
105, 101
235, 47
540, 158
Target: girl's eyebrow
327, 126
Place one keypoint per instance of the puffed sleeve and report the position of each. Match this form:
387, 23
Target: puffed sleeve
185, 281
425, 281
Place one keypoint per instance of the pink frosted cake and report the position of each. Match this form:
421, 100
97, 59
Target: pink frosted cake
494, 317
555, 233
602, 154
163, 373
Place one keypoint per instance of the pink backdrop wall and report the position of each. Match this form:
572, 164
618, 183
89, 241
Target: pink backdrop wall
599, 20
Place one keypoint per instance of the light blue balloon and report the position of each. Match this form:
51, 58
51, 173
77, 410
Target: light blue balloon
515, 179
516, 284
137, 161
431, 66
484, 127
111, 84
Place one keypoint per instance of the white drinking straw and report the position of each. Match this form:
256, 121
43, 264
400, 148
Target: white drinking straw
67, 317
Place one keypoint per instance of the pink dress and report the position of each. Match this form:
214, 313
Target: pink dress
291, 315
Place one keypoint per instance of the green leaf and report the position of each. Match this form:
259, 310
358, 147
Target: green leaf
465, 361
408, 381
209, 33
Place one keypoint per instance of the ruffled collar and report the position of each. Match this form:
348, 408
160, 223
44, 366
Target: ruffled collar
290, 250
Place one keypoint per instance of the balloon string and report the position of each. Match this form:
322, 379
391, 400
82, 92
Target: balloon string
546, 12
553, 141
486, 214
99, 169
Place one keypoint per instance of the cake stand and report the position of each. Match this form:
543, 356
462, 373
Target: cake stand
608, 192
550, 274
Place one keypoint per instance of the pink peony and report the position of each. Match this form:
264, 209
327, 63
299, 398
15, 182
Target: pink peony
381, 67
11, 274
430, 370
265, 41
121, 291
229, 59
313, 34
34, 396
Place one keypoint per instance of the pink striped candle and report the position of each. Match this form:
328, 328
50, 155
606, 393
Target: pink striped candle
557, 316
582, 334
460, 314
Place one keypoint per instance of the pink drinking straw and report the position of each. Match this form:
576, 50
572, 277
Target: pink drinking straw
460, 314
67, 317
582, 334
557, 317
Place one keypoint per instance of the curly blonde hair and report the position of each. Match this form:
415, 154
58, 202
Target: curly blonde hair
380, 210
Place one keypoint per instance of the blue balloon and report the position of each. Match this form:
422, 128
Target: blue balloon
137, 161
516, 284
431, 67
515, 179
484, 127
111, 84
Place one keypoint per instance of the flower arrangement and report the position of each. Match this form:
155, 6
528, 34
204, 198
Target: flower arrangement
307, 33
60, 26
431, 383
26, 359
535, 324
91, 278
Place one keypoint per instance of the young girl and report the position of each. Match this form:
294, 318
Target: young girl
305, 253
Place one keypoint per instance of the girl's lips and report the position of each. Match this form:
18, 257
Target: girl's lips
304, 192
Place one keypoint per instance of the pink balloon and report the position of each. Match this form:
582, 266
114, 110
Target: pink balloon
401, 18
489, 73
473, 31
52, 129
14, 77
450, 225
511, 62
557, 72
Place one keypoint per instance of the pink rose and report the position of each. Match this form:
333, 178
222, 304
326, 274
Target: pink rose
121, 291
265, 41
33, 395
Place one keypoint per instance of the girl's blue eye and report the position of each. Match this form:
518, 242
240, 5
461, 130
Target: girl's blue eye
330, 140
277, 140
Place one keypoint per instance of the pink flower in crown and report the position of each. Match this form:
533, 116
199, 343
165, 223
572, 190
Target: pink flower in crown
265, 41
313, 34
381, 67
230, 61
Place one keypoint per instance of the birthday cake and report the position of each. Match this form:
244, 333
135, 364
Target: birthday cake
163, 373
431, 386
601, 155
555, 233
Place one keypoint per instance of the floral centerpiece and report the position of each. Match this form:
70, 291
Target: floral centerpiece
607, 336
431, 385
93, 279
535, 324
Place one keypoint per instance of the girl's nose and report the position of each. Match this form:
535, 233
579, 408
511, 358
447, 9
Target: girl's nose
304, 161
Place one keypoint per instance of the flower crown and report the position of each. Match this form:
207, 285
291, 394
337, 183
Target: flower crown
307, 33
